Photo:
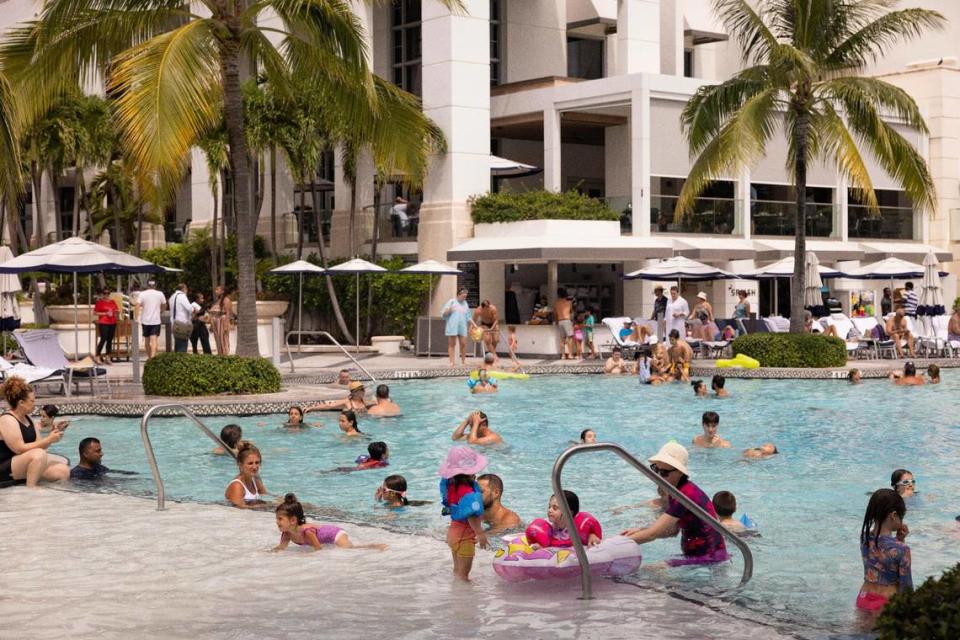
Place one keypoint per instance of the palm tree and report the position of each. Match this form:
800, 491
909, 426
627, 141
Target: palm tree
267, 124
214, 147
11, 183
803, 57
174, 74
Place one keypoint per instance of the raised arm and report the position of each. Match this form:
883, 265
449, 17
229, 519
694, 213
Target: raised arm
458, 433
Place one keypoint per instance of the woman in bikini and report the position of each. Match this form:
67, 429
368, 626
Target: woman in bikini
221, 319
246, 491
355, 401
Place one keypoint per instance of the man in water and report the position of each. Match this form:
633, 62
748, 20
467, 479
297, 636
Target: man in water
475, 429
343, 379
710, 438
854, 376
765, 450
615, 364
909, 376
717, 384
89, 467
680, 354
384, 407
562, 315
487, 318
495, 515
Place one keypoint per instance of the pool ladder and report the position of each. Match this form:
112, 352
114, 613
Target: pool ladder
152, 459
586, 584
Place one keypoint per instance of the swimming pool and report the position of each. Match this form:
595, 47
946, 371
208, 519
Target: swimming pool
838, 443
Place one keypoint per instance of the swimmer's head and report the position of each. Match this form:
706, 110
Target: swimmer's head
394, 488
343, 377
248, 458
49, 411
230, 435
717, 382
491, 488
853, 376
555, 515
348, 421
378, 450
909, 370
290, 513
699, 389
588, 436
674, 334
933, 371
903, 482
725, 503
768, 449
884, 504
383, 392
710, 418
489, 357
294, 415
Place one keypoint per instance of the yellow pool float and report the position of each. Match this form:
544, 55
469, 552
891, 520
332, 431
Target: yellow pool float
739, 361
500, 375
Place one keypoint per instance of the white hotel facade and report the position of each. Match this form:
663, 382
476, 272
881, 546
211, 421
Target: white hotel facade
591, 91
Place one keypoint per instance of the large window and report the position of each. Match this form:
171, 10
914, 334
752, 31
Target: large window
405, 24
773, 210
496, 38
584, 58
713, 212
894, 221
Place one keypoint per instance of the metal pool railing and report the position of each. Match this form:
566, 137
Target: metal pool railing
586, 584
327, 335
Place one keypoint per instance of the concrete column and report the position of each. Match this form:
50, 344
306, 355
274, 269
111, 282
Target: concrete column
637, 299
671, 38
552, 175
552, 278
46, 199
742, 220
638, 36
456, 95
841, 222
493, 285
340, 243
640, 160
201, 196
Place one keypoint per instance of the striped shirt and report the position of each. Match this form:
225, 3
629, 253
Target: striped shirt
910, 303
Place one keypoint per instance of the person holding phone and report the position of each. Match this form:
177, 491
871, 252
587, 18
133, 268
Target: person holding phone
23, 455
48, 418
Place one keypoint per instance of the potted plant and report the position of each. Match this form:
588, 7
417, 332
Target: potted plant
271, 305
60, 309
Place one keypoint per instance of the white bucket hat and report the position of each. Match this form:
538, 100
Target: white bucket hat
675, 455
702, 295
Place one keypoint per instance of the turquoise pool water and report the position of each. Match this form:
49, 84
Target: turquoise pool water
838, 444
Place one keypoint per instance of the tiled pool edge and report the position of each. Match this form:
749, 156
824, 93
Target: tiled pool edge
273, 404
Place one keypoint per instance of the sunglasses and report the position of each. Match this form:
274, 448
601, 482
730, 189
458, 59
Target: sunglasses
662, 472
907, 483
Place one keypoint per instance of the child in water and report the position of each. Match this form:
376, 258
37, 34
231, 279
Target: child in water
376, 458
230, 435
294, 528
555, 532
886, 557
463, 501
393, 493
725, 504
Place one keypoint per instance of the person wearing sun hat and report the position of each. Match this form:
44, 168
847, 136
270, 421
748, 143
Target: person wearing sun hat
354, 401
463, 501
699, 542
702, 324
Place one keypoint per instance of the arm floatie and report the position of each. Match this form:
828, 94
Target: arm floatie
469, 505
585, 525
540, 532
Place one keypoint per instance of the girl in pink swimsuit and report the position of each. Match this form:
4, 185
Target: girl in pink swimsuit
294, 528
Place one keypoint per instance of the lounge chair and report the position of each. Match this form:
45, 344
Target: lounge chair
28, 372
844, 327
777, 324
939, 343
41, 348
752, 325
628, 347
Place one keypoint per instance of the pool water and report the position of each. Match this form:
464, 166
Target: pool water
838, 443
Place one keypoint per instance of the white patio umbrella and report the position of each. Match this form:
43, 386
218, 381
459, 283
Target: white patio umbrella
812, 298
430, 268
75, 255
679, 268
299, 267
891, 269
782, 269
356, 267
9, 305
503, 168
931, 294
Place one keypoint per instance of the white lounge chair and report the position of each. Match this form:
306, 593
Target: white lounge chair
41, 348
844, 328
615, 325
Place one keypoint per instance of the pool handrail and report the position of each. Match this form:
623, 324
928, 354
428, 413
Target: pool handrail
148, 447
327, 335
586, 584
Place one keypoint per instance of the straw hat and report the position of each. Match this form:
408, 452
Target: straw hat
702, 295
356, 385
462, 460
673, 454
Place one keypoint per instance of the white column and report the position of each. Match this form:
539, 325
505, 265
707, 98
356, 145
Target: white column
841, 221
552, 281
640, 160
552, 158
638, 36
456, 95
201, 196
671, 38
743, 224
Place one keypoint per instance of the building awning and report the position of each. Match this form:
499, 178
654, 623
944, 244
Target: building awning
910, 251
701, 23
716, 248
561, 248
826, 250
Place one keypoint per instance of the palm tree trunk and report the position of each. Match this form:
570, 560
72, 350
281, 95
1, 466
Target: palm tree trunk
302, 218
77, 196
353, 216
57, 221
331, 290
373, 255
798, 283
273, 203
221, 246
247, 341
214, 233
261, 181
36, 177
139, 229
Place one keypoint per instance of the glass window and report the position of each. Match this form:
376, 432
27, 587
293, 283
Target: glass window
406, 35
584, 58
495, 40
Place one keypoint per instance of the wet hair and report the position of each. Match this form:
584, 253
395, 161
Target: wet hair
494, 481
483, 418
583, 434
718, 381
933, 371
86, 442
298, 409
882, 502
674, 334
231, 434
16, 390
352, 419
51, 410
245, 449
291, 508
572, 500
383, 391
710, 417
377, 450
852, 373
397, 484
897, 475
696, 384
909, 369
725, 503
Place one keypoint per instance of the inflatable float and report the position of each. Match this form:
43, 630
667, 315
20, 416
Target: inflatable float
614, 556
739, 361
500, 375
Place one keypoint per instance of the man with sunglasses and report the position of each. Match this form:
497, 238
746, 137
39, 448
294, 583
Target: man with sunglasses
699, 542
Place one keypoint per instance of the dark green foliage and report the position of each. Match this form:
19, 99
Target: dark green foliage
512, 206
188, 374
194, 258
932, 612
804, 350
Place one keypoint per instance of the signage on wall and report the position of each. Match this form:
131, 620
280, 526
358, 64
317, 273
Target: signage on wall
470, 280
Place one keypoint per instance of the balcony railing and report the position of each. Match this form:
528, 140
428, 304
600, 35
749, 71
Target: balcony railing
712, 216
775, 218
397, 224
892, 223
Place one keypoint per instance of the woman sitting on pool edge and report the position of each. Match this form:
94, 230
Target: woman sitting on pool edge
23, 455
246, 490
699, 542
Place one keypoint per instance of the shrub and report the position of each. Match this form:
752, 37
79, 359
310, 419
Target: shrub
511, 206
188, 374
929, 613
804, 350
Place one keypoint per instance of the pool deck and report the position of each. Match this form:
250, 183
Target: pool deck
314, 374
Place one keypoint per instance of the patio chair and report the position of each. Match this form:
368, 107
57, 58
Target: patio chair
777, 324
41, 348
845, 327
628, 348
939, 344
882, 346
752, 325
28, 372
716, 348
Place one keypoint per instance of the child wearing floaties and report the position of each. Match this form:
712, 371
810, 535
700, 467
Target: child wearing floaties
554, 532
376, 458
463, 502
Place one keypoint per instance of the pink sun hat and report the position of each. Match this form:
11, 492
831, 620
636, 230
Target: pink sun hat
462, 460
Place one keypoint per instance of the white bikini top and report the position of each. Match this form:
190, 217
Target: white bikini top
247, 496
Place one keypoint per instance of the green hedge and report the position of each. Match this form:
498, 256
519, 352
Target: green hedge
931, 612
189, 374
804, 350
510, 206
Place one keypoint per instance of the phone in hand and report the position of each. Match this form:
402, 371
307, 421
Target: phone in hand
62, 425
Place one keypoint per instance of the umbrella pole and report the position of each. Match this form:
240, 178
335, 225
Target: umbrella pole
90, 303
76, 320
357, 314
300, 316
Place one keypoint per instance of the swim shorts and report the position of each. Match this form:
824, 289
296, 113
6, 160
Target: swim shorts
871, 601
462, 539
566, 327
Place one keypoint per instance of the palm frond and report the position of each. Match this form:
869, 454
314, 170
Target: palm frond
835, 142
871, 41
712, 104
747, 28
10, 175
739, 143
168, 95
889, 98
